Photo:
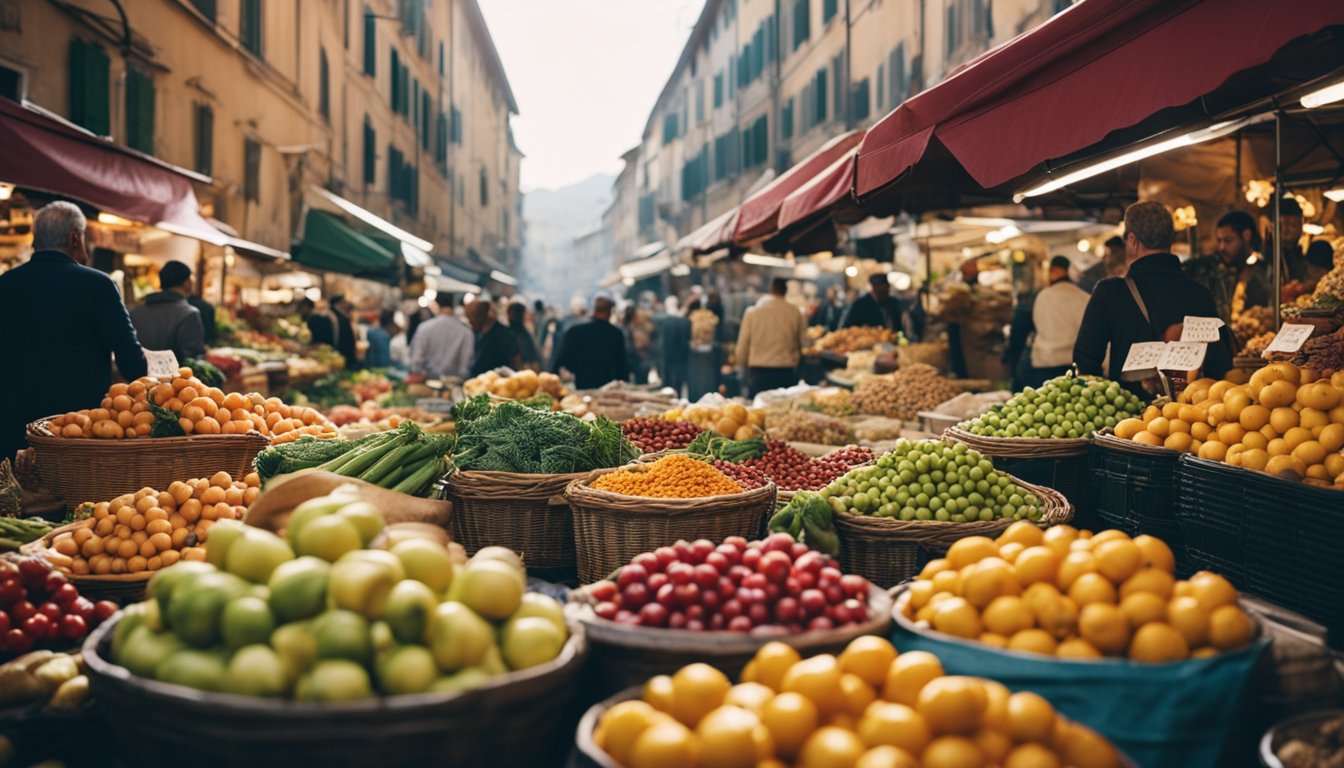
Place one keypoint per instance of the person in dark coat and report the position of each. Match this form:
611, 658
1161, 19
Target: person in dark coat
321, 324
166, 320
672, 338
495, 344
527, 343
207, 311
876, 308
1114, 317
62, 321
594, 351
345, 331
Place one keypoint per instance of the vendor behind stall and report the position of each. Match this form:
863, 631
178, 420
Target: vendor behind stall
1149, 304
1234, 283
495, 344
166, 320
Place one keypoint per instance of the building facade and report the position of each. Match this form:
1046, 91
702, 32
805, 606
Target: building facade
761, 84
400, 106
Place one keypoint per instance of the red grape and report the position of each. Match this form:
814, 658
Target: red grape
73, 627
631, 574
17, 642
103, 610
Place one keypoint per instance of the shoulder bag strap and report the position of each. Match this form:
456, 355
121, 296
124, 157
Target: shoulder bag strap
1143, 308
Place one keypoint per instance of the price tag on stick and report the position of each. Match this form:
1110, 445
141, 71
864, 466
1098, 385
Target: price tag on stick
162, 363
1200, 328
1183, 356
1144, 356
1290, 338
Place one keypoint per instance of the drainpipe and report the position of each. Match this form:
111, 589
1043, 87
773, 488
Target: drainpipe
849, 87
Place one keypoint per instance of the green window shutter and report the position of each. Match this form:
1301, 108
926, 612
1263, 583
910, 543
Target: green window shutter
828, 9
786, 120
251, 170
139, 111
206, 7
861, 107
250, 32
762, 140
802, 23
395, 68
89, 79
424, 120
370, 152
718, 90
819, 94
370, 43
323, 85
205, 139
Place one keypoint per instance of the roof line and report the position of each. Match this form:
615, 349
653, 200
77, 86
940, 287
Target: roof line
482, 30
707, 14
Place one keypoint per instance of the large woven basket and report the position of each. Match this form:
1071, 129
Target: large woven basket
1020, 447
85, 469
887, 551
622, 656
120, 588
526, 513
519, 720
611, 528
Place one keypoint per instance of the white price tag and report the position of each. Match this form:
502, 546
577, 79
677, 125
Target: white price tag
1183, 356
1144, 356
162, 363
1200, 328
1290, 338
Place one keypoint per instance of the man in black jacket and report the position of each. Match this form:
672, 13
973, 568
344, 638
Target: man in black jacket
594, 351
1114, 317
62, 321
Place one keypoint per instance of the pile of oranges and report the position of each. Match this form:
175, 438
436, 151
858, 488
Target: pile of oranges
1287, 421
676, 476
867, 708
125, 412
1072, 594
148, 530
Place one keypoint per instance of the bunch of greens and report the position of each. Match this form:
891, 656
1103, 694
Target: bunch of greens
405, 459
512, 437
206, 371
711, 445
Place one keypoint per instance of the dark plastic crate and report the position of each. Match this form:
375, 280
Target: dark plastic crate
1070, 476
1136, 487
1212, 508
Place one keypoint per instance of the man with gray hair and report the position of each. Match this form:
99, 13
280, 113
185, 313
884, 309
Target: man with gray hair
1149, 304
62, 321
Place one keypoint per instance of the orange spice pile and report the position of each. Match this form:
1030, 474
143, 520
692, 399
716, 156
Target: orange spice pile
671, 477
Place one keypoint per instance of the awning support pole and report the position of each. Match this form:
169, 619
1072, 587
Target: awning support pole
1276, 299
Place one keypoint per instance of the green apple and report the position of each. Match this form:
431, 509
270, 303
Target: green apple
459, 637
220, 540
426, 562
503, 555
256, 555
409, 606
530, 641
464, 680
165, 580
409, 669
247, 620
493, 663
491, 588
198, 604
297, 648
366, 517
314, 508
343, 635
542, 606
328, 537
381, 557
145, 649
361, 586
336, 680
202, 670
256, 670
299, 588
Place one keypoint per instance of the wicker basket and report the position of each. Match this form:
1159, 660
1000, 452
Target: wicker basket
611, 528
120, 588
1020, 447
518, 721
887, 551
85, 469
526, 513
1135, 489
1058, 463
622, 656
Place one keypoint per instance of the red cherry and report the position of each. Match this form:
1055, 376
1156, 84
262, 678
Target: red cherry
701, 549
104, 609
755, 581
776, 566
12, 590
606, 610
626, 617
739, 572
695, 625
820, 622
718, 561
779, 542
751, 558
22, 610
717, 622
739, 624
653, 615
686, 594
634, 596
736, 542
17, 642
855, 586
37, 627
730, 553
810, 562
788, 610
676, 620
50, 610
683, 551
649, 561
4, 624
798, 550
604, 591
813, 601
758, 613
834, 594
657, 580
731, 609
65, 594
681, 573
710, 600
666, 556
53, 581
73, 627
631, 574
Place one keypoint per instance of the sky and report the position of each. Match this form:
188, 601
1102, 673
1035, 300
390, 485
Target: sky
585, 74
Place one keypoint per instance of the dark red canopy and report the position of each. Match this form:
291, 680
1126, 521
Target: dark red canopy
45, 153
759, 213
713, 235
1100, 66
826, 190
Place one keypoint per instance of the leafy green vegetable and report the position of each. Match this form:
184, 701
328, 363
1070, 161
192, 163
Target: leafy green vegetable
304, 453
206, 371
711, 445
513, 437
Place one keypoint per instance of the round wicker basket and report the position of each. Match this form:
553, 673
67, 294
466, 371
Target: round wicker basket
526, 513
1020, 447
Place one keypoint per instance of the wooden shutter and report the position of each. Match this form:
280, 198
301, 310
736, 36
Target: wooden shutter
89, 80
251, 170
370, 40
205, 139
139, 111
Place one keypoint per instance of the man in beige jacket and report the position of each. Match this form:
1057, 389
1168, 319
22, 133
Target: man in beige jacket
771, 341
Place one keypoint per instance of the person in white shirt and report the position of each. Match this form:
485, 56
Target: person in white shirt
444, 346
1057, 315
771, 341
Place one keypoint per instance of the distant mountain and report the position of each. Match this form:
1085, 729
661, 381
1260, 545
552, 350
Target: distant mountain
552, 219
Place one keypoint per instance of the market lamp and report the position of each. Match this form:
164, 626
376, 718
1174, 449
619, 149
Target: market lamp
1335, 195
1322, 96
6, 190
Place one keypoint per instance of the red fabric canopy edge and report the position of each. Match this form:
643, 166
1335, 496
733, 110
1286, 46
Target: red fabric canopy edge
712, 235
824, 191
759, 212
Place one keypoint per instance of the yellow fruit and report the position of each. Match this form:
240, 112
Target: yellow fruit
1009, 551
817, 678
1319, 395
957, 617
1189, 617
1022, 532
1172, 409
1254, 459
952, 704
1030, 717
1075, 564
1059, 616
1007, 616
1313, 419
1296, 436
697, 689
1118, 559
772, 662
665, 744
749, 696
1310, 452
1289, 467
1334, 464
894, 724
1032, 641
658, 692
1230, 628
952, 752
993, 640
908, 675
1278, 394
1093, 588
1143, 607
856, 693
1179, 441
1084, 748
1159, 427
1230, 433
1213, 451
1128, 428
622, 726
790, 718
1077, 648
1155, 553
830, 747
1031, 756
1283, 419
886, 757
1058, 538
1201, 431
971, 549
933, 567
988, 579
868, 657
1036, 564
1040, 594
1207, 652
1332, 437
995, 716
1158, 643
946, 581
1148, 438
1212, 590
732, 737
1105, 627
1154, 580
1150, 413
1253, 417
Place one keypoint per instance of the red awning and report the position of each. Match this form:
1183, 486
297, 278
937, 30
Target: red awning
823, 192
1100, 66
715, 234
43, 152
760, 212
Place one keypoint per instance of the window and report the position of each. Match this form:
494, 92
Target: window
323, 85
726, 155
441, 141
89, 86
859, 104
968, 22
730, 82
251, 170
395, 68
758, 52
828, 9
11, 84
485, 188
786, 121
205, 139
441, 65
669, 128
819, 97
370, 43
424, 119
802, 22
838, 76
206, 7
249, 27
370, 153
718, 90
414, 108
771, 38
695, 175
880, 92
455, 129
645, 213
699, 101
897, 78
139, 110
755, 143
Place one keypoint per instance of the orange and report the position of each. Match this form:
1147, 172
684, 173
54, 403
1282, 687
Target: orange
1084, 748
952, 704
857, 694
1092, 588
1126, 429
1007, 615
1143, 607
946, 581
992, 640
1059, 617
885, 757
1077, 648
665, 744
1213, 450
1230, 628
1022, 532
830, 747
920, 592
1190, 618
622, 726
732, 737
1158, 643
1075, 564
1040, 594
988, 579
971, 549
1036, 564
908, 675
1155, 553
894, 724
817, 678
868, 658
697, 689
1031, 756
1033, 641
1253, 417
1212, 590
1152, 580
952, 752
750, 696
1105, 627
1030, 717
772, 662
1058, 538
995, 716
1009, 551
956, 617
933, 567
1118, 559
790, 718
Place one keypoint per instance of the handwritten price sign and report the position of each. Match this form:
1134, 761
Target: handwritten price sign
1204, 329
1183, 356
1290, 338
162, 363
1144, 356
